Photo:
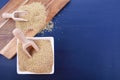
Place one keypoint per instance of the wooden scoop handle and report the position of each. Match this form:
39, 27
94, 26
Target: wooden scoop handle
7, 15
19, 35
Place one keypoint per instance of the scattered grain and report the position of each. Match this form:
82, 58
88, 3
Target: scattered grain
36, 16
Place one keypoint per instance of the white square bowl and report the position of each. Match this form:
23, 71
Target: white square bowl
37, 38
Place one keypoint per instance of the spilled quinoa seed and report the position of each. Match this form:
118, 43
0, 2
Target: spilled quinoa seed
36, 15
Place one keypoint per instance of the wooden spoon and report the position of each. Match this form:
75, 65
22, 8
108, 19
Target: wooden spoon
25, 42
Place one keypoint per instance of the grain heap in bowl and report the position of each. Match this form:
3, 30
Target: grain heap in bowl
41, 62
36, 15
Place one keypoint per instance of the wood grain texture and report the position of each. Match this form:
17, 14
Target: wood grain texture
7, 40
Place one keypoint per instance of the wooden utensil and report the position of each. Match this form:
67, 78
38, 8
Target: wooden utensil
12, 15
8, 42
25, 42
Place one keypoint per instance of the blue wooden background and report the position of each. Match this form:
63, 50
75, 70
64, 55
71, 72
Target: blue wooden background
87, 43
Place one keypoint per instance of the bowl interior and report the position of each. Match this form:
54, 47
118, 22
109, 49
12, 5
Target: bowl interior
37, 38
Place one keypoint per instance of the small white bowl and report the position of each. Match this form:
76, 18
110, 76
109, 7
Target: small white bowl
37, 38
